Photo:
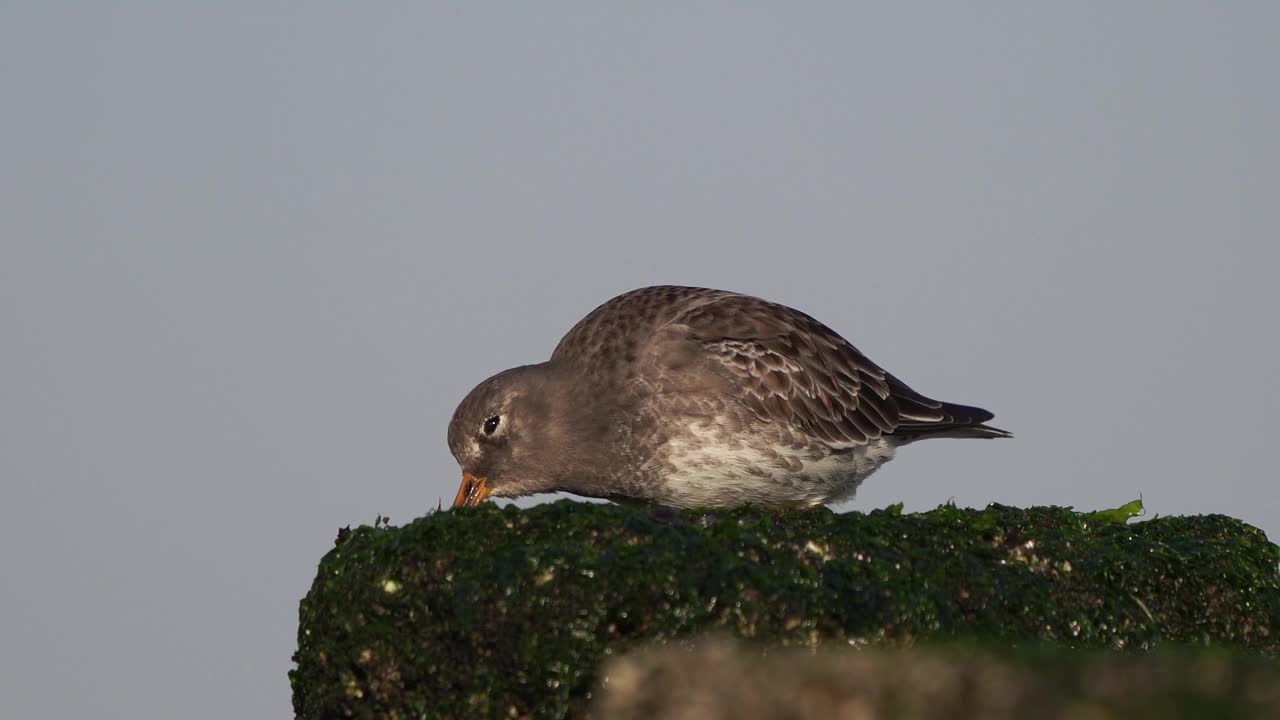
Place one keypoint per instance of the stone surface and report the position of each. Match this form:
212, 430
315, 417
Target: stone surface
503, 612
720, 680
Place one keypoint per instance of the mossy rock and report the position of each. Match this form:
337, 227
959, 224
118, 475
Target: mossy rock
503, 612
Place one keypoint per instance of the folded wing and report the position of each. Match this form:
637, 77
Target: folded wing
793, 369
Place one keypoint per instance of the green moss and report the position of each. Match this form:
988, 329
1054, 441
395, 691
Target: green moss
488, 611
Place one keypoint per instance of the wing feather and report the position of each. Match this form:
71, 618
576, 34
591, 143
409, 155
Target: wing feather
793, 369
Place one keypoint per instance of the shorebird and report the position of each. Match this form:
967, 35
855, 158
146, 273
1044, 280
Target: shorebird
693, 397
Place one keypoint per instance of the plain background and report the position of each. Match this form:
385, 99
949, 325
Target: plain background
252, 255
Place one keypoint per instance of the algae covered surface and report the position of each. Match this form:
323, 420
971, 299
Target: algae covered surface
507, 612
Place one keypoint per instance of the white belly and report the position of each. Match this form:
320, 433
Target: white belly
705, 474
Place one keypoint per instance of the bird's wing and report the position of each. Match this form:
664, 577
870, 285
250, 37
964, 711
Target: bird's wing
790, 368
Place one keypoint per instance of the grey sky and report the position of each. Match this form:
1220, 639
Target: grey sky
251, 257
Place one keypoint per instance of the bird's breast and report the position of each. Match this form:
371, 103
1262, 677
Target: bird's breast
706, 465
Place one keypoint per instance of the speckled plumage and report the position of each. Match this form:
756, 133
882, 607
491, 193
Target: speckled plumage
697, 397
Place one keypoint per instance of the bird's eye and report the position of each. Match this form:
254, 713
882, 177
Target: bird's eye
491, 425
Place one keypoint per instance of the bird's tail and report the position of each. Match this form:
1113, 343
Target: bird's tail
973, 431
938, 419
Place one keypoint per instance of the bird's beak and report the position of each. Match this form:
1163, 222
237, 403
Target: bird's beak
472, 492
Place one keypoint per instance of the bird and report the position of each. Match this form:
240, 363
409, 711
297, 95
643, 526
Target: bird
688, 397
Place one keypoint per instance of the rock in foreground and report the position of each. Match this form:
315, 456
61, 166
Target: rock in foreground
718, 680
491, 612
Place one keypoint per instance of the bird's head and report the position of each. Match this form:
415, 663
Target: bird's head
503, 436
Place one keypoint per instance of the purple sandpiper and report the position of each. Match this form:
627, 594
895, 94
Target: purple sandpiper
692, 397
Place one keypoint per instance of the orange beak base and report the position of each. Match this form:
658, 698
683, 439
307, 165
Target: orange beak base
472, 492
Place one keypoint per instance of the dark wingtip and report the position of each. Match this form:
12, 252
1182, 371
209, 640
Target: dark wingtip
957, 421
967, 414
986, 431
